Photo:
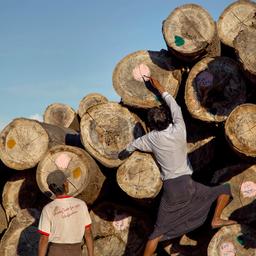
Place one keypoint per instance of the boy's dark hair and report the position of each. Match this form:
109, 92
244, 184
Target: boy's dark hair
159, 118
55, 181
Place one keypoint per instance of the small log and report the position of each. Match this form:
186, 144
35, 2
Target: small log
233, 240
82, 171
21, 237
240, 130
134, 89
139, 176
106, 129
3, 220
90, 100
242, 180
61, 115
128, 225
235, 18
23, 142
190, 33
214, 87
20, 192
244, 45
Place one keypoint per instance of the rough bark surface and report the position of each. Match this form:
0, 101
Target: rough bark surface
21, 237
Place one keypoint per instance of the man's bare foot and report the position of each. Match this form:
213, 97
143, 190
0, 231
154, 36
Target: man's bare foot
220, 223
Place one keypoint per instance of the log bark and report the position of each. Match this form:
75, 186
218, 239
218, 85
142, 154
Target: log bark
242, 180
244, 45
20, 192
83, 172
240, 130
90, 100
61, 115
106, 129
139, 176
233, 240
214, 87
128, 77
23, 142
190, 33
21, 237
3, 220
130, 227
235, 18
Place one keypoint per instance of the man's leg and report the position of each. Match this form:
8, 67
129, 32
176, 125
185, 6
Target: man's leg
151, 246
222, 202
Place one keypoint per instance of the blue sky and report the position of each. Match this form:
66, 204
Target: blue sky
61, 50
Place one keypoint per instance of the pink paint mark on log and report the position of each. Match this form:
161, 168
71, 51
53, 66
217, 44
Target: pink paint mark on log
227, 249
62, 161
121, 222
248, 189
140, 71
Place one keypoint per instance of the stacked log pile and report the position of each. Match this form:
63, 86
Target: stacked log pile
209, 67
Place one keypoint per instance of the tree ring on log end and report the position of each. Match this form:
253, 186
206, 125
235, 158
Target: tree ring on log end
139, 176
233, 240
240, 129
135, 89
189, 29
106, 129
214, 87
23, 143
75, 165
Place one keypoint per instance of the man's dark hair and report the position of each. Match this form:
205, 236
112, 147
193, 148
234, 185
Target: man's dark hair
159, 118
57, 190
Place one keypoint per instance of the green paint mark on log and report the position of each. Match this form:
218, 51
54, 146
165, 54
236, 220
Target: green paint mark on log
179, 41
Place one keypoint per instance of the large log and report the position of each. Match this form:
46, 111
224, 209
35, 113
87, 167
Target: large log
190, 33
244, 45
106, 129
130, 226
214, 87
134, 89
82, 171
90, 100
235, 240
23, 142
240, 130
21, 237
242, 180
139, 176
61, 115
235, 18
20, 192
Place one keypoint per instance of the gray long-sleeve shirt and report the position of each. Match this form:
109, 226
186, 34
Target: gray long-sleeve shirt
169, 146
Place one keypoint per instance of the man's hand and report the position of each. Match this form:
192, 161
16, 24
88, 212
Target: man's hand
123, 154
155, 83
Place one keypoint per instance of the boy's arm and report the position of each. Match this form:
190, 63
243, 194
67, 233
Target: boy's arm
88, 240
43, 244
